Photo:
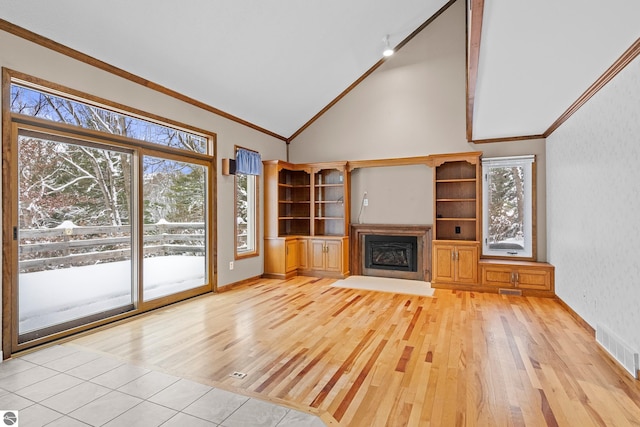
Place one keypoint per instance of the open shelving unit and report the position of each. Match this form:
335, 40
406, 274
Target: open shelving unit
294, 198
456, 201
329, 203
306, 218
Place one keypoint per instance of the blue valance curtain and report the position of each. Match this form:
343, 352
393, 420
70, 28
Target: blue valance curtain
248, 162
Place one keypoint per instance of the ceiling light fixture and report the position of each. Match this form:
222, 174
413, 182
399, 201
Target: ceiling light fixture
388, 50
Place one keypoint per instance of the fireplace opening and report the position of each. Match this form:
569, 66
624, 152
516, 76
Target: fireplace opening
384, 252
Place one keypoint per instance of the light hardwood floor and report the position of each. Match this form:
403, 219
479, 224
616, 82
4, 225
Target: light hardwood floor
360, 358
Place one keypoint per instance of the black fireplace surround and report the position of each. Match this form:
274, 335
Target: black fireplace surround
386, 252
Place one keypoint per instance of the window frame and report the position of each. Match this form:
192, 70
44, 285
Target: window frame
255, 250
529, 221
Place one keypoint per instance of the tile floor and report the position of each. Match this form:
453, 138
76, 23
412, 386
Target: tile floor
65, 386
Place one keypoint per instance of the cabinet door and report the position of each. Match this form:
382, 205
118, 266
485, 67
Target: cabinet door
443, 263
532, 278
316, 254
303, 260
291, 255
333, 256
467, 264
497, 276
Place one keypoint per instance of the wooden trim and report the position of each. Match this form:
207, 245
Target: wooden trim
472, 157
577, 317
369, 72
627, 57
473, 59
79, 56
7, 218
238, 284
431, 160
507, 139
68, 133
401, 161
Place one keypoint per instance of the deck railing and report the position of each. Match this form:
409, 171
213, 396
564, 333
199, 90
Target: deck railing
70, 245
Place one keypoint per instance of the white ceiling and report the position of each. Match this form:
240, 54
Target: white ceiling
276, 64
538, 56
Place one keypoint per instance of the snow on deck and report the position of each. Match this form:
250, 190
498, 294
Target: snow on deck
47, 298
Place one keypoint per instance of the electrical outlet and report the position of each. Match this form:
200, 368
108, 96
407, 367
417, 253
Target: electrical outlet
230, 265
365, 202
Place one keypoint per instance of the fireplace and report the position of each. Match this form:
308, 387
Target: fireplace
391, 250
385, 252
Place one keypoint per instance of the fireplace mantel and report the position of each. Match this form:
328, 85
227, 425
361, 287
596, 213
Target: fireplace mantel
422, 232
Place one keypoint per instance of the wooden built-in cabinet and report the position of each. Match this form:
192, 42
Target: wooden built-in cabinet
457, 210
327, 255
306, 206
282, 256
531, 278
307, 225
455, 262
458, 233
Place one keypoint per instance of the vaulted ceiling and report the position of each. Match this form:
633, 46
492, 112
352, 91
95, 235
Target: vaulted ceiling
538, 57
277, 64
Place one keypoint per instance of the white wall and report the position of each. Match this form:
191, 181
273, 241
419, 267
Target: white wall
20, 55
593, 207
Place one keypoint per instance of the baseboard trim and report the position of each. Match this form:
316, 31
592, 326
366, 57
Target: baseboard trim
577, 317
238, 284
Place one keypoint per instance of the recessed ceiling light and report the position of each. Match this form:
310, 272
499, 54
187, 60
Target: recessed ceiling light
388, 50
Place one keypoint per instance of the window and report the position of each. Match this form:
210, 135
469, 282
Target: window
246, 213
63, 109
508, 204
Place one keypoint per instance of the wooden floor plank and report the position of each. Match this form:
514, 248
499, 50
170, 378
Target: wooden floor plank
362, 358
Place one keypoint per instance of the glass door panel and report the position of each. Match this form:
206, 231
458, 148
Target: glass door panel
175, 249
74, 234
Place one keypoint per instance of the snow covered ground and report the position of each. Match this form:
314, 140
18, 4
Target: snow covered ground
51, 297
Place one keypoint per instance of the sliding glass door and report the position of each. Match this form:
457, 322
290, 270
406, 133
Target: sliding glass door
74, 233
104, 230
